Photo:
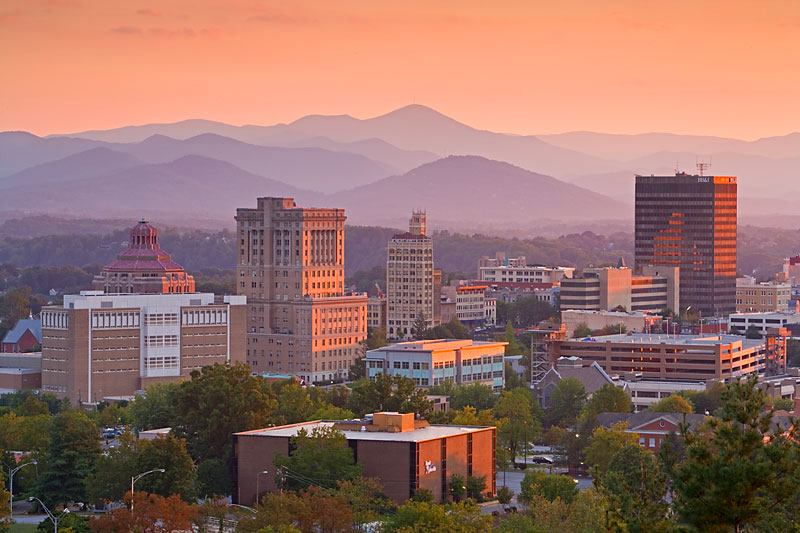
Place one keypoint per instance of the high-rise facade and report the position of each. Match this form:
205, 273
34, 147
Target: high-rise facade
689, 221
409, 279
290, 265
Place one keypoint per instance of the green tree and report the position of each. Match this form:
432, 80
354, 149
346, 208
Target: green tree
548, 486
479, 396
388, 393
15, 305
513, 380
217, 402
423, 495
476, 485
738, 468
752, 332
156, 408
504, 495
608, 399
517, 426
67, 523
513, 347
71, 456
567, 400
457, 487
469, 417
294, 403
32, 407
169, 453
417, 516
420, 326
674, 403
455, 329
635, 489
365, 499
113, 472
582, 330
5, 497
321, 457
606, 443
376, 338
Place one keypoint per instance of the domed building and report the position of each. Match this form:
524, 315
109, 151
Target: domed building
143, 268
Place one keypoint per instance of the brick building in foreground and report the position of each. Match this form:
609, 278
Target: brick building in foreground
405, 454
108, 346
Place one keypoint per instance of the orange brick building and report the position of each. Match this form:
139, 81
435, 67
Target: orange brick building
290, 266
405, 454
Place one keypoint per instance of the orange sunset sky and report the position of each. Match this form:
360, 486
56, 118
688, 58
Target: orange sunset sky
729, 68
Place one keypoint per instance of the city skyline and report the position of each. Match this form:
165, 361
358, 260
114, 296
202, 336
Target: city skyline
514, 67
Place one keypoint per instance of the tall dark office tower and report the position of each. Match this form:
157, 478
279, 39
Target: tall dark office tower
690, 222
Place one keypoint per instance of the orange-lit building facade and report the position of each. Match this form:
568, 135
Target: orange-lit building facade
403, 453
290, 265
689, 221
143, 268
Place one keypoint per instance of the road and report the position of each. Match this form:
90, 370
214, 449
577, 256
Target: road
513, 478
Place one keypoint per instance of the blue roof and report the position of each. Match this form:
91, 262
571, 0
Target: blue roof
32, 324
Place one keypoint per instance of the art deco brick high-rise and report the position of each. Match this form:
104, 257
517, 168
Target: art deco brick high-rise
689, 221
409, 279
290, 265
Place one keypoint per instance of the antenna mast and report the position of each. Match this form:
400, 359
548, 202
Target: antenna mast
702, 166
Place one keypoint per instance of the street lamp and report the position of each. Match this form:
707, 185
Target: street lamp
11, 484
258, 491
53, 518
134, 479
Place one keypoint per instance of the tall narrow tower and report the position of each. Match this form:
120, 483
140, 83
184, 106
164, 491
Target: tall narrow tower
418, 224
409, 279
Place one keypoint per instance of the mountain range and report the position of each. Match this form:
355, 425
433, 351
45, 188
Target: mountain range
378, 169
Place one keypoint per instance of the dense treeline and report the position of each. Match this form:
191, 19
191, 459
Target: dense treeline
761, 250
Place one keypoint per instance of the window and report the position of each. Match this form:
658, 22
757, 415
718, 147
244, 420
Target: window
652, 442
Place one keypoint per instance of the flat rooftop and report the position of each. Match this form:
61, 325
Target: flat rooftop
438, 344
688, 340
416, 435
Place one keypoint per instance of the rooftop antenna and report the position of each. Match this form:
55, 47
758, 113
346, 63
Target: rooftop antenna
702, 166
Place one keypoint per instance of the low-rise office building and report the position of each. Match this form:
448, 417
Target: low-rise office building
434, 362
678, 357
403, 453
503, 269
654, 289
20, 371
108, 346
634, 321
739, 322
764, 297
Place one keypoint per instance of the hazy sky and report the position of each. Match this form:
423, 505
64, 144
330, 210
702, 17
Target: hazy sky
728, 68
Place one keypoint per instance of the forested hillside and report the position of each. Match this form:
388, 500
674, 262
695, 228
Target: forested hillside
761, 250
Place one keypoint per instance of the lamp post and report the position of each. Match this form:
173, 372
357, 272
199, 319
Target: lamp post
525, 444
258, 491
134, 479
11, 484
53, 518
